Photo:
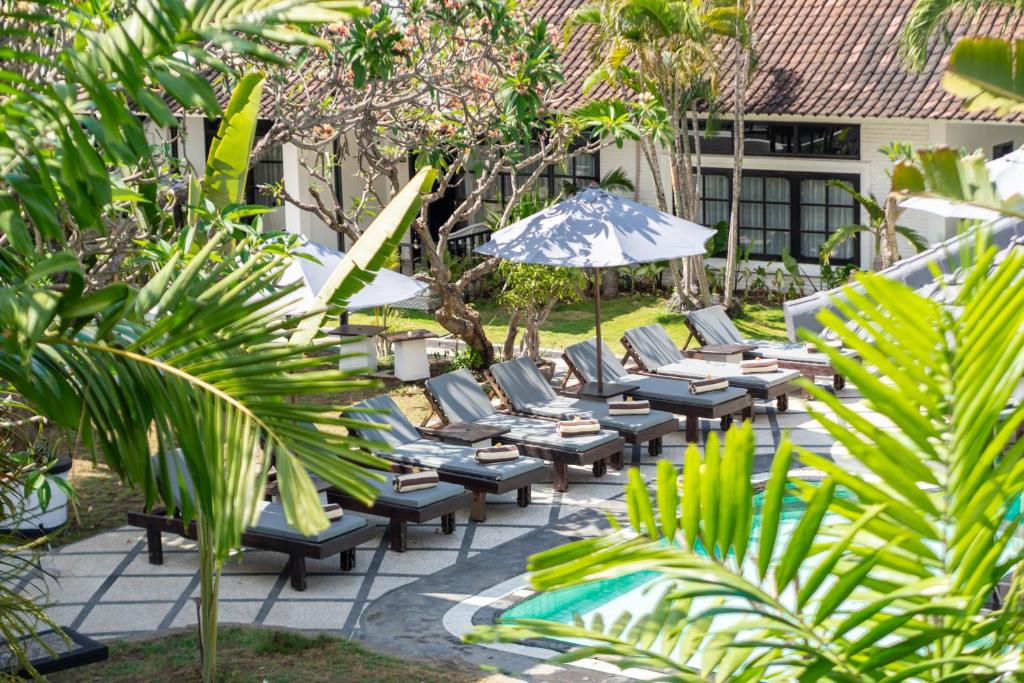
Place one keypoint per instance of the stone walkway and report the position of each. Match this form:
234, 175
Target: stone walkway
104, 586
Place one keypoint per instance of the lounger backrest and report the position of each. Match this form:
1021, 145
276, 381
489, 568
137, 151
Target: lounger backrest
460, 397
177, 474
714, 326
584, 357
522, 382
654, 346
402, 431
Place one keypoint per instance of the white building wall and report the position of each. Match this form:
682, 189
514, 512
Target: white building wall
631, 159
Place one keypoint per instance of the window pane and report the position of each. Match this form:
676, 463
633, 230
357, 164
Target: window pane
718, 142
585, 167
844, 250
776, 241
812, 192
751, 215
758, 139
716, 187
782, 139
838, 217
812, 218
839, 196
752, 241
776, 189
776, 216
810, 244
716, 210
753, 189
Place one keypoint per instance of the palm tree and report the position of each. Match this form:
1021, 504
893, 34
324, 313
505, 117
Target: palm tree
658, 49
198, 355
911, 569
876, 227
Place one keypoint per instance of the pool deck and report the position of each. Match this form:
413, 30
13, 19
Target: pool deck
409, 604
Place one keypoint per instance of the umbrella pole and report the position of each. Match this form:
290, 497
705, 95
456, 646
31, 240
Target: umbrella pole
597, 319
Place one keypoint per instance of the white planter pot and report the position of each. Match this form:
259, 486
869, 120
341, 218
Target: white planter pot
27, 517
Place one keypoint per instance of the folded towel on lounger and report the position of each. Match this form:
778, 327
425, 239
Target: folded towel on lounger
754, 366
333, 512
629, 407
702, 386
577, 427
811, 347
493, 454
413, 481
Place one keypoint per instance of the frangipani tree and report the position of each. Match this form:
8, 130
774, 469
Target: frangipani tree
909, 570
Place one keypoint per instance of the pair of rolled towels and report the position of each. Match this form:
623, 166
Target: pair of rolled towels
414, 481
495, 454
756, 365
703, 386
577, 427
629, 407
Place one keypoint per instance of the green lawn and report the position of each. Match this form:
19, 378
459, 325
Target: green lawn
264, 656
571, 323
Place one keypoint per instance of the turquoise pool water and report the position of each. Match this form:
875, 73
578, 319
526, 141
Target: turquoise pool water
636, 593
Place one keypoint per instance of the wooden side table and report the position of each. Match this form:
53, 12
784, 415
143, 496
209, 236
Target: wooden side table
410, 350
465, 434
363, 347
720, 353
609, 390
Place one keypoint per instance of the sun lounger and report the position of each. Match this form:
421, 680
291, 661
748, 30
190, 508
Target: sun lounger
440, 501
271, 532
713, 326
672, 395
525, 392
651, 348
457, 397
406, 446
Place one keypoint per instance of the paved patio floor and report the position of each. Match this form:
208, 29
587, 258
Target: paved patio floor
104, 586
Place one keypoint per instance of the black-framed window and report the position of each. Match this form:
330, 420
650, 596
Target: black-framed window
269, 170
827, 140
1002, 149
580, 171
783, 212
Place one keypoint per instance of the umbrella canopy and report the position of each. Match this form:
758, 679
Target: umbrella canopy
597, 229
1007, 172
388, 288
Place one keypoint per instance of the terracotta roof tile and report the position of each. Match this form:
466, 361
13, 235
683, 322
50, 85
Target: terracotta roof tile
835, 58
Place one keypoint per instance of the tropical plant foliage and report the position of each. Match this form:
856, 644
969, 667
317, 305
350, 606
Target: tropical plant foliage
875, 227
198, 355
910, 569
985, 71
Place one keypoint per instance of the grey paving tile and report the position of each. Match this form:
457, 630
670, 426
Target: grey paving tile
315, 616
139, 617
153, 587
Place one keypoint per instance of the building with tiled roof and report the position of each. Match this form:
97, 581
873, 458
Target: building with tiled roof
831, 88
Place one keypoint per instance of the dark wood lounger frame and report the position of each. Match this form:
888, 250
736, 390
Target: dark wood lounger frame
598, 458
808, 369
479, 486
651, 436
723, 411
399, 516
778, 393
297, 550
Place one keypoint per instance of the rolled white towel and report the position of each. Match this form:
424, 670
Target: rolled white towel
333, 512
413, 481
703, 386
496, 454
577, 427
754, 366
629, 407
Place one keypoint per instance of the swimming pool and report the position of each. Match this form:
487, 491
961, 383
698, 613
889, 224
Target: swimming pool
637, 593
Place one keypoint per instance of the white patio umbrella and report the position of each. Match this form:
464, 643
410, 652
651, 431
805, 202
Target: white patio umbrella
1007, 172
388, 288
597, 229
